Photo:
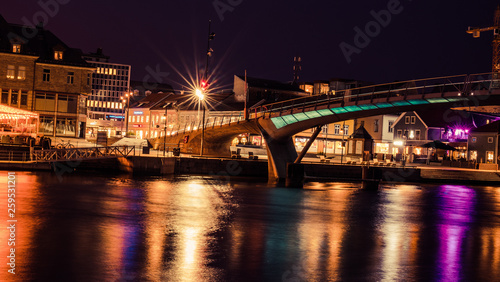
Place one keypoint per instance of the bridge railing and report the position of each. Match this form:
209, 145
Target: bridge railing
209, 122
402, 89
81, 153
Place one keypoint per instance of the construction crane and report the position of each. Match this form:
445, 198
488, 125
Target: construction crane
476, 32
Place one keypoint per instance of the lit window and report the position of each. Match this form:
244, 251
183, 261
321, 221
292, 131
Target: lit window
489, 156
16, 48
21, 73
58, 55
346, 129
147, 118
71, 77
11, 72
46, 75
336, 129
473, 155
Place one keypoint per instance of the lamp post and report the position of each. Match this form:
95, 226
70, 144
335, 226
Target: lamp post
165, 133
342, 131
127, 110
201, 97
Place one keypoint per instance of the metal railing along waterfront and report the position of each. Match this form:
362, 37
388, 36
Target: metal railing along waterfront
15, 156
81, 153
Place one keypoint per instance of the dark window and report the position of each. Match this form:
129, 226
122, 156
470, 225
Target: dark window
390, 129
5, 96
375, 126
14, 97
24, 98
45, 102
407, 120
71, 77
413, 120
417, 134
46, 75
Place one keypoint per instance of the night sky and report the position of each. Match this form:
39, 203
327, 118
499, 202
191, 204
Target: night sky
423, 38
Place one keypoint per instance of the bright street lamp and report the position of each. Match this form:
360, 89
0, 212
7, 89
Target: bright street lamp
127, 102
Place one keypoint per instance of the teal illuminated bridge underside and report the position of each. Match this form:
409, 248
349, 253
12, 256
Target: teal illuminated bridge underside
283, 121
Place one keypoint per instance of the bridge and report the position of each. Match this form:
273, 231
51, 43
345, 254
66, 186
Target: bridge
278, 122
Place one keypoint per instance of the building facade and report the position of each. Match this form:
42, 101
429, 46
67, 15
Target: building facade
42, 74
110, 85
483, 144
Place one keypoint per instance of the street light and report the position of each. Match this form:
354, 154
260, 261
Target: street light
127, 110
165, 133
199, 94
201, 97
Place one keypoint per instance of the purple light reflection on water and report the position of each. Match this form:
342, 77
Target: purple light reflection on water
455, 215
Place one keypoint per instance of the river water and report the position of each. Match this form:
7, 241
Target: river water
90, 227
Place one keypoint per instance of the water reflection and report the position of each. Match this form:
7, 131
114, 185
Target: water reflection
399, 231
198, 228
456, 204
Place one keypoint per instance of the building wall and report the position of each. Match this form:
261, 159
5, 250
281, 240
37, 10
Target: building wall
23, 86
110, 83
481, 146
59, 79
408, 123
61, 104
387, 130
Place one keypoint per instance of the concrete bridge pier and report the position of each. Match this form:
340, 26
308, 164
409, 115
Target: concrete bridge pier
368, 178
279, 154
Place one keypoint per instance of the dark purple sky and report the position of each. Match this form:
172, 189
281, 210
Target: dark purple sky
426, 38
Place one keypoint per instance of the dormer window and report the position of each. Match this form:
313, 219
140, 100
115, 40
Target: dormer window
58, 55
16, 48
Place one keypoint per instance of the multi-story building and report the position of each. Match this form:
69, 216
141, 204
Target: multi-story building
110, 83
381, 130
483, 144
41, 73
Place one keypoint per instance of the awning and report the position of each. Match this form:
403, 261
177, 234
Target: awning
7, 112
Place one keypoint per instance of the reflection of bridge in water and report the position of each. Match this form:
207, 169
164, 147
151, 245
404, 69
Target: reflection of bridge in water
278, 122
